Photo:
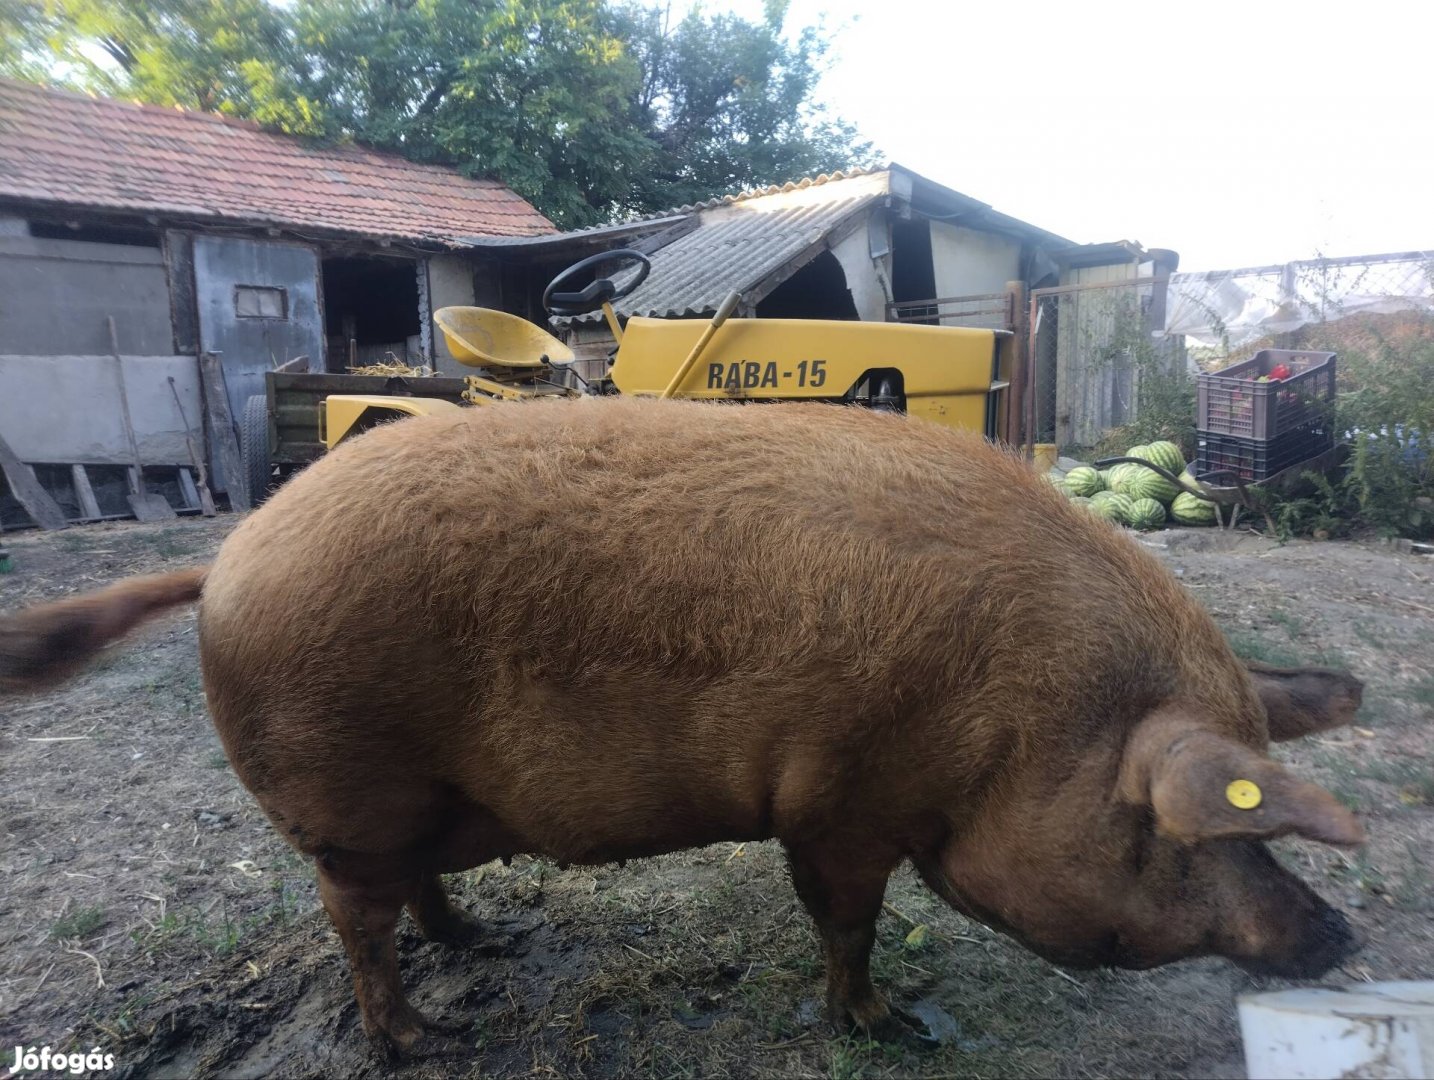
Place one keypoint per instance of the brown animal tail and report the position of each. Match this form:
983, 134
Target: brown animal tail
45, 644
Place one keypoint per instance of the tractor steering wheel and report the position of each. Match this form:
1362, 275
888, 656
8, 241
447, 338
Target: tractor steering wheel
600, 290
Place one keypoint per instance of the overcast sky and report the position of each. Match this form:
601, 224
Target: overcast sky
1236, 133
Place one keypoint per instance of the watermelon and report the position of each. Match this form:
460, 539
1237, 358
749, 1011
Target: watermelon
1145, 513
1143, 483
1058, 482
1167, 455
1137, 451
1188, 510
1122, 475
1081, 500
1111, 505
1083, 480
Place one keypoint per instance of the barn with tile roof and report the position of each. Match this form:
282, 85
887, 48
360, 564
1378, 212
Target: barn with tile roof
193, 233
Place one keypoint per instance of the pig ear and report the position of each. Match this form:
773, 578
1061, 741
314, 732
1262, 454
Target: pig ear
1204, 786
1301, 701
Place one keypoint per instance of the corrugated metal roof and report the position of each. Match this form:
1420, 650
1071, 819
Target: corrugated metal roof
743, 239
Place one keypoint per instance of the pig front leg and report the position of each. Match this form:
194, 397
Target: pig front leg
843, 892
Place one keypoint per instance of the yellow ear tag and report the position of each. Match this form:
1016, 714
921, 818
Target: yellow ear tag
1243, 794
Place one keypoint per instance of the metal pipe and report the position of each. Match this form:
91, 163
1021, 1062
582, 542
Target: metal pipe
729, 305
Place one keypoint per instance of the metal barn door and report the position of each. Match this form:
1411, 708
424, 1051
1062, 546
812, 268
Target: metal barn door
258, 307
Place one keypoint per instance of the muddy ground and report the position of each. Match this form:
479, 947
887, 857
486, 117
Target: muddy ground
147, 908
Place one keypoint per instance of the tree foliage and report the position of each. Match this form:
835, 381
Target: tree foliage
588, 108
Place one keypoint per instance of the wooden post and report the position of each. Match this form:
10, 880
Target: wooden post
221, 424
84, 493
28, 491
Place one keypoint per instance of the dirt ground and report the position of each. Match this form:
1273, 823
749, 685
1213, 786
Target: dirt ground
148, 909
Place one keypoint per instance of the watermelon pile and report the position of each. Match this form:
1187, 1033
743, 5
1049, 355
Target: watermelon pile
1135, 496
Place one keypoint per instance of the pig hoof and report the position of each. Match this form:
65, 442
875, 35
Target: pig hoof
456, 928
902, 1029
504, 944
441, 1026
397, 1033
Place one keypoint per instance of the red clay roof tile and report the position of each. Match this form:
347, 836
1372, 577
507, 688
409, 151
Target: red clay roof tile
67, 149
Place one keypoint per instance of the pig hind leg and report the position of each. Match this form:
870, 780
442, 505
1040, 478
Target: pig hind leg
438, 918
472, 836
843, 894
364, 896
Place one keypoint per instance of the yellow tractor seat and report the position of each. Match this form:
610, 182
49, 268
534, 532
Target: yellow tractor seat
481, 337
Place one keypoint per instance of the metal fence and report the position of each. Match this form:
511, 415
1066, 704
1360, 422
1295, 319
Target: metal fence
990, 311
1099, 353
1095, 350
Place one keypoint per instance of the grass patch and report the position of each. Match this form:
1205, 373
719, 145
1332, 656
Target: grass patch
1291, 624
1415, 891
171, 547
1369, 634
78, 924
1252, 645
1422, 692
219, 936
1415, 780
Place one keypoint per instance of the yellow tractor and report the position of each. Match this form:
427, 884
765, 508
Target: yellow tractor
955, 376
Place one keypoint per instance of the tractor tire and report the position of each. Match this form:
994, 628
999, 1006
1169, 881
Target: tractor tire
254, 450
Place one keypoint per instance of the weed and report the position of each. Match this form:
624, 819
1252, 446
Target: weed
850, 1057
78, 924
217, 760
1386, 410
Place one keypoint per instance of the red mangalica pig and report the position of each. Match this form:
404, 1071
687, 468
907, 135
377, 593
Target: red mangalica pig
614, 628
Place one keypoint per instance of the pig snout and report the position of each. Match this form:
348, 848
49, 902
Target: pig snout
1327, 941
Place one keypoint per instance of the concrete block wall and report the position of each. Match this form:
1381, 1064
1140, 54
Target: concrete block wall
66, 409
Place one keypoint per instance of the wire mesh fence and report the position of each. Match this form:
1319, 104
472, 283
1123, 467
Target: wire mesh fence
1227, 315
1122, 356
1097, 357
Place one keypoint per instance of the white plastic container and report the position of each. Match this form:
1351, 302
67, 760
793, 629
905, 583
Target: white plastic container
1375, 1031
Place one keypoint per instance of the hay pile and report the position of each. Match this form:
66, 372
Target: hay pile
391, 366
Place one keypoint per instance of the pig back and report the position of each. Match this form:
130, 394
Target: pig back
706, 576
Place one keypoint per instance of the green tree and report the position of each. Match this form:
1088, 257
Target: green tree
26, 27
587, 109
730, 104
537, 92
230, 56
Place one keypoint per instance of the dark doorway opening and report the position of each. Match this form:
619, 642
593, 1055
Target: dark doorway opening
371, 312
816, 291
913, 274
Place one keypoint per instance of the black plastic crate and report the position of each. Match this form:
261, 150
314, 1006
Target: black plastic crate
1233, 402
1256, 459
